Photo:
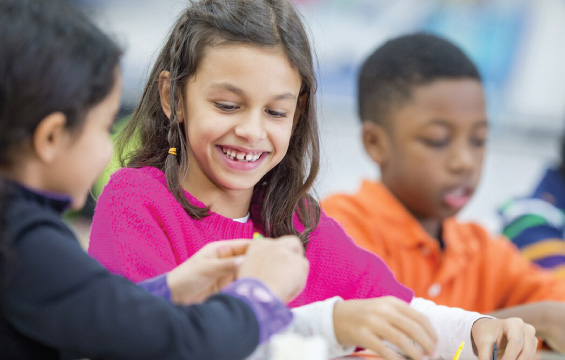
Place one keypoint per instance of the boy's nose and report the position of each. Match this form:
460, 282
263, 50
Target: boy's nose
251, 127
462, 159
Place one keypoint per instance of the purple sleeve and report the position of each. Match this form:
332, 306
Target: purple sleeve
157, 286
271, 313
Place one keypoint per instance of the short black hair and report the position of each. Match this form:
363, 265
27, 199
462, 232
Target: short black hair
389, 74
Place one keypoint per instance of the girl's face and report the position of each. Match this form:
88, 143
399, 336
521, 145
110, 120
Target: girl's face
238, 112
86, 155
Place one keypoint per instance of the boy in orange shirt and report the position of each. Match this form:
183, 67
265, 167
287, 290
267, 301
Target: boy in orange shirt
424, 123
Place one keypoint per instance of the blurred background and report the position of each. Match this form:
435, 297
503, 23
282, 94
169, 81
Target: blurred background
518, 46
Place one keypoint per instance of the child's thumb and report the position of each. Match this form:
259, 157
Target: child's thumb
227, 265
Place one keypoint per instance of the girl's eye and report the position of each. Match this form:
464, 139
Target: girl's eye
276, 114
439, 143
225, 107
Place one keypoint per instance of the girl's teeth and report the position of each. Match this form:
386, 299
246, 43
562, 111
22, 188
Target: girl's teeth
241, 156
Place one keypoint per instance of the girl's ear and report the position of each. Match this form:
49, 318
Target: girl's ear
165, 96
50, 137
376, 142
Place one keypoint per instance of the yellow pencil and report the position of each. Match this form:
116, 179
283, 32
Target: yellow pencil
458, 352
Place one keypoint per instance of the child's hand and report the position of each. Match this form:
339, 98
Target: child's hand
556, 339
279, 263
515, 339
547, 317
551, 325
368, 323
206, 272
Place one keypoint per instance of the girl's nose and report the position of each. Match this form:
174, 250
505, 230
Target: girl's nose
251, 127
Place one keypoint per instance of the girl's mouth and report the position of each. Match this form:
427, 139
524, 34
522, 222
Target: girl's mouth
241, 156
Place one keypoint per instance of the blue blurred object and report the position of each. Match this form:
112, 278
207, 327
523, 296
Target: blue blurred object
490, 34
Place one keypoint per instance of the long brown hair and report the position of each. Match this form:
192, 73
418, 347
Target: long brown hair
274, 23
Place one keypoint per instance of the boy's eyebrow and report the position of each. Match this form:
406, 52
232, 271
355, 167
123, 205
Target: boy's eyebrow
232, 88
437, 122
482, 123
445, 123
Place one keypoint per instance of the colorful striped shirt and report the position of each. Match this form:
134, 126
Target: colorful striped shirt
536, 224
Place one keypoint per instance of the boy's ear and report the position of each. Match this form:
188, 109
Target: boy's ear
376, 142
50, 136
165, 96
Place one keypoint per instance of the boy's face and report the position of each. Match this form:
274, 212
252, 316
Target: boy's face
432, 154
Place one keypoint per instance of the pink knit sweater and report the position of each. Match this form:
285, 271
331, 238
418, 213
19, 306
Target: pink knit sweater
140, 231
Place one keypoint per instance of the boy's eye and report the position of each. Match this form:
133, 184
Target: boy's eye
277, 114
225, 107
479, 142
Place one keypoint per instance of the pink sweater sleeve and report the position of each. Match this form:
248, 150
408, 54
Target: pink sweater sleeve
126, 236
339, 267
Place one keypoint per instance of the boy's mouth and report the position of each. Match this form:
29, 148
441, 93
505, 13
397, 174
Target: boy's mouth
237, 155
458, 197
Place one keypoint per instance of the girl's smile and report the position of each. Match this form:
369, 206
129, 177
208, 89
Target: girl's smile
242, 159
238, 112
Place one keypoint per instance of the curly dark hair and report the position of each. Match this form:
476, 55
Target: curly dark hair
389, 74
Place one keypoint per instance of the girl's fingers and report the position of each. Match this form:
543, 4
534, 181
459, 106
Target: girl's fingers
530, 343
370, 341
220, 267
514, 331
417, 327
404, 342
484, 348
228, 248
293, 243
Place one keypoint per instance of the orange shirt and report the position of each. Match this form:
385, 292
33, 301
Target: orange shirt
475, 271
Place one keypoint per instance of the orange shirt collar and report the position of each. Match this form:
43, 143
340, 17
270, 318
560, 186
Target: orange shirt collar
384, 205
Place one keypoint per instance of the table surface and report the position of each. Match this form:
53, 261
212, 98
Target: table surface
541, 355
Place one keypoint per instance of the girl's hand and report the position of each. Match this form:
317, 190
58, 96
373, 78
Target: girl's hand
208, 271
514, 338
368, 323
280, 264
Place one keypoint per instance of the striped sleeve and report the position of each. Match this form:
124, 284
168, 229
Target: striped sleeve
537, 228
